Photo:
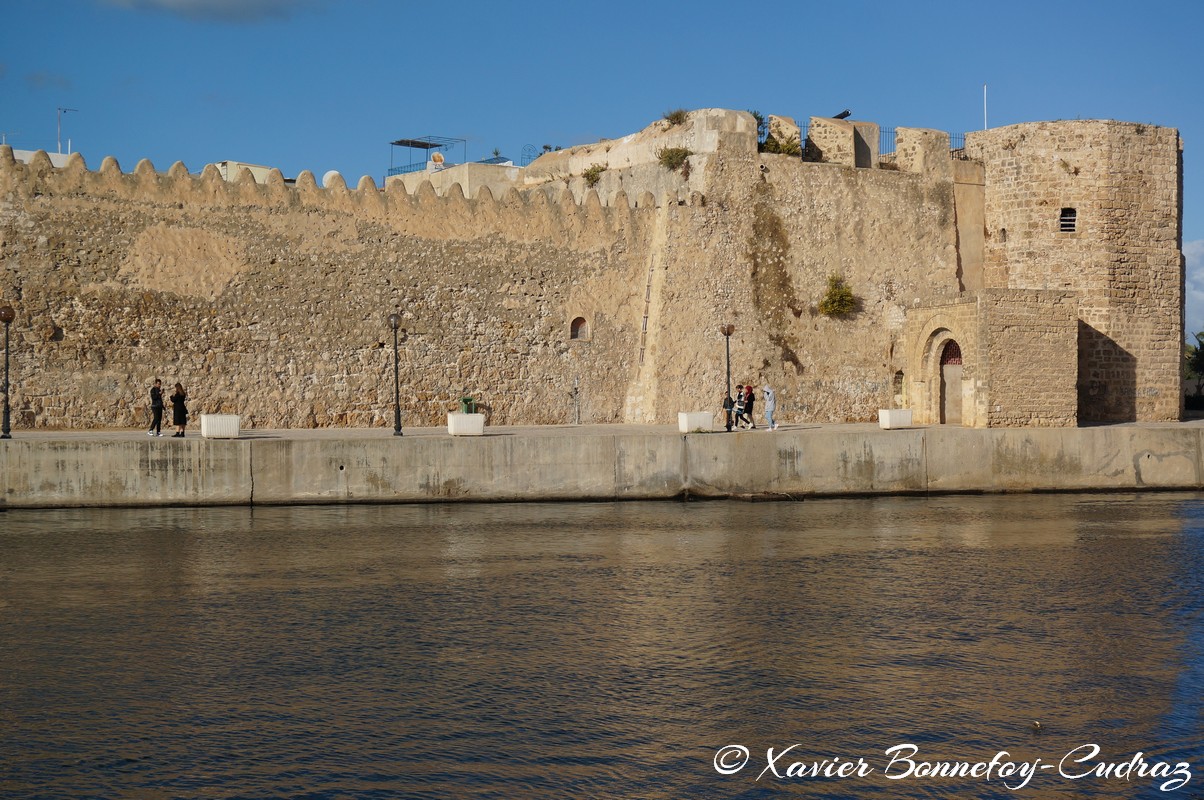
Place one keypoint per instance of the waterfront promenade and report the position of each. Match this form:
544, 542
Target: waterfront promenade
590, 462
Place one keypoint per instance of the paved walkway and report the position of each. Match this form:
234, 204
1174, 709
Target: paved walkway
126, 434
42, 434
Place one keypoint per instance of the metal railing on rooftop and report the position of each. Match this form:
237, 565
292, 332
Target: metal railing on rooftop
407, 168
886, 141
957, 146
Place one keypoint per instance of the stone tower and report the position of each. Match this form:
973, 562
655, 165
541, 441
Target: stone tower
1094, 207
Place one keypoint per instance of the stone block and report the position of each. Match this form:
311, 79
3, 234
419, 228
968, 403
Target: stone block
894, 418
784, 130
465, 424
219, 426
695, 421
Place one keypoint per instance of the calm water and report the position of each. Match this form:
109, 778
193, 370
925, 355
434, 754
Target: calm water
600, 650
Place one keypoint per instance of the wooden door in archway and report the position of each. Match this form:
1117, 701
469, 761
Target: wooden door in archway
951, 384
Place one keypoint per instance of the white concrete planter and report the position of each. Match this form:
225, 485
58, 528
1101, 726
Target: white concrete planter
466, 424
894, 418
695, 421
219, 426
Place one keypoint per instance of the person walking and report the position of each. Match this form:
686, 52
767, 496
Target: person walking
771, 405
728, 405
179, 412
156, 400
738, 406
749, 401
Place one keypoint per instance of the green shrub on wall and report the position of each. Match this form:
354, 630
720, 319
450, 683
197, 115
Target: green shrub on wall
672, 158
677, 116
838, 300
767, 143
593, 174
790, 147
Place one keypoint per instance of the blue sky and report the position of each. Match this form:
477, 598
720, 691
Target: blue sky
326, 84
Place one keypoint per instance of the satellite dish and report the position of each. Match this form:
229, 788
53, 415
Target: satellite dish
437, 157
329, 178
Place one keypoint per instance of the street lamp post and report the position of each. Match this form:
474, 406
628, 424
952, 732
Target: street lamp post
7, 315
394, 323
727, 331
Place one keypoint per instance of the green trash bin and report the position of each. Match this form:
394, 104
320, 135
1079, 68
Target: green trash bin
468, 405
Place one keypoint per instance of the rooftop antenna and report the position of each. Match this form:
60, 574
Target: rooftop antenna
59, 119
5, 134
984, 106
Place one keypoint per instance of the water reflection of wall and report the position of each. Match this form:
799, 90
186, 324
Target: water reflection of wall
594, 641
933, 618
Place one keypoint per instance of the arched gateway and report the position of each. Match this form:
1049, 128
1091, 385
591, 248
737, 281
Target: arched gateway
951, 384
935, 380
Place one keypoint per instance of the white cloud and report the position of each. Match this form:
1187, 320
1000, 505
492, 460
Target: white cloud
1193, 290
223, 10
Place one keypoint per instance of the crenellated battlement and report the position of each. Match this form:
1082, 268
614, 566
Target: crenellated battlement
178, 184
516, 214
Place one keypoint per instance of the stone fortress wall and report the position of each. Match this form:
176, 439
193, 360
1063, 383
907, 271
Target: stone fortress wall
271, 301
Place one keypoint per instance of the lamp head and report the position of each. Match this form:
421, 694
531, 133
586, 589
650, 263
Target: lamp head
7, 314
394, 321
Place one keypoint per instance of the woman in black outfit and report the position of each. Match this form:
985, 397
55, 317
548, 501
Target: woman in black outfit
179, 412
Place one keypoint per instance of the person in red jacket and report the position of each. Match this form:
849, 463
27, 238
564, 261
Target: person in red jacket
749, 401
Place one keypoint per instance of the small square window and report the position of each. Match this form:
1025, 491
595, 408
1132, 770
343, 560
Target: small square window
1068, 220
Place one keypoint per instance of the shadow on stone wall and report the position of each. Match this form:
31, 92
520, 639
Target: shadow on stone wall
774, 293
1107, 379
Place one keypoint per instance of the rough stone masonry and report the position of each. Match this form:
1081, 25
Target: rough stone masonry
1048, 253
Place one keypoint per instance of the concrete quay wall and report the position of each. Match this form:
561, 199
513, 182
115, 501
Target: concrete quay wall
832, 460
